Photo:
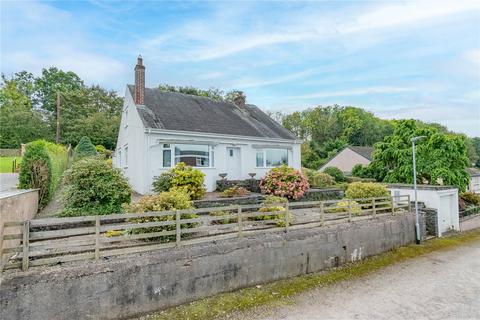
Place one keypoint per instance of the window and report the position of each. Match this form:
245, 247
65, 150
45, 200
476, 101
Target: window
260, 159
192, 155
167, 156
126, 156
271, 157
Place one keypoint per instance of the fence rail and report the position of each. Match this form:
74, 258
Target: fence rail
51, 241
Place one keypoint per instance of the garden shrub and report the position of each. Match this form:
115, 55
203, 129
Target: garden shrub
336, 173
269, 200
358, 190
322, 180
92, 187
362, 171
102, 151
220, 213
471, 198
251, 185
274, 204
165, 201
234, 192
181, 177
285, 182
42, 167
84, 148
346, 206
163, 182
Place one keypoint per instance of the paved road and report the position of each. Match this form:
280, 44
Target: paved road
443, 285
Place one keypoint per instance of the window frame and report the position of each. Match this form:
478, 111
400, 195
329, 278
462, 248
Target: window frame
171, 148
264, 157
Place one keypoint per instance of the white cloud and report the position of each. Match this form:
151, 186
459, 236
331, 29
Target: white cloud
353, 92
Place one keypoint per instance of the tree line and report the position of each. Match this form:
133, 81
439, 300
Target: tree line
29, 109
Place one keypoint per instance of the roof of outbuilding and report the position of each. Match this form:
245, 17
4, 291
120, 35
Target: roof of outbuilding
183, 112
365, 152
473, 172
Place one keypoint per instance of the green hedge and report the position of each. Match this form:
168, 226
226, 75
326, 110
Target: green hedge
42, 167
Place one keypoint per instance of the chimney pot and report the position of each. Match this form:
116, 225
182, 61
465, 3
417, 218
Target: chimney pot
139, 81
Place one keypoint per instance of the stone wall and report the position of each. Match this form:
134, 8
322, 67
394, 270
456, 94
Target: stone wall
132, 285
17, 205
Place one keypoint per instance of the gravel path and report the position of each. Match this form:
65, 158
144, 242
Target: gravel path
442, 285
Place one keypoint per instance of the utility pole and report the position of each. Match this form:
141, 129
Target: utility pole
58, 118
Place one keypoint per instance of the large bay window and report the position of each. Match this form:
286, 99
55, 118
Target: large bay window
271, 157
194, 155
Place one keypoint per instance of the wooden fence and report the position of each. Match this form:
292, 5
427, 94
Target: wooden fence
52, 241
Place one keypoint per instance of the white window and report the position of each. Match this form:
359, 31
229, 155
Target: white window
126, 156
191, 154
271, 157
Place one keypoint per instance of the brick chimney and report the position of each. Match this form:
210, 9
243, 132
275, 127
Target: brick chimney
240, 99
139, 81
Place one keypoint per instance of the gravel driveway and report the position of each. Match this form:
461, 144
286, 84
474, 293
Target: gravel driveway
442, 285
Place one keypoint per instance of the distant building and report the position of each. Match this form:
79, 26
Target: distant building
474, 183
346, 159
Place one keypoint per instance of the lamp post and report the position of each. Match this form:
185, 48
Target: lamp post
417, 224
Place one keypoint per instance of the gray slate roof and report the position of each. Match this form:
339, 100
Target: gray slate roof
183, 112
365, 152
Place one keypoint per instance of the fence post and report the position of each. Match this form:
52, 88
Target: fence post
349, 210
26, 238
287, 220
374, 210
392, 204
178, 227
97, 237
322, 214
409, 204
239, 220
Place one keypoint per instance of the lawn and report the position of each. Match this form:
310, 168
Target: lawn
6, 164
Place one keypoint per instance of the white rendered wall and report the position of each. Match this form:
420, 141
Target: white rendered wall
445, 201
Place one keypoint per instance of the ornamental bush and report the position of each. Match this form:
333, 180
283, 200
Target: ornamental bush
347, 206
84, 148
181, 177
358, 190
93, 187
285, 182
322, 180
234, 192
471, 198
165, 201
336, 173
42, 167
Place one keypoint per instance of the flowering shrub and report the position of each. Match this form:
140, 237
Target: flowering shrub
322, 180
181, 177
234, 192
165, 201
336, 173
285, 182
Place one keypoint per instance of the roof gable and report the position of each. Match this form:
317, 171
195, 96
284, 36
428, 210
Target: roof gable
365, 152
183, 112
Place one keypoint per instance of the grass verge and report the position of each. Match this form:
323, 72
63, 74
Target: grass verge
6, 164
247, 298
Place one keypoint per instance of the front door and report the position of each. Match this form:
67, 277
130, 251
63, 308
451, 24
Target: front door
234, 165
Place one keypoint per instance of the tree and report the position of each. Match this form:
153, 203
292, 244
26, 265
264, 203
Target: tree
441, 157
212, 93
85, 148
19, 122
476, 144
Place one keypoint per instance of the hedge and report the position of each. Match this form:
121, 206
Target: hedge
42, 167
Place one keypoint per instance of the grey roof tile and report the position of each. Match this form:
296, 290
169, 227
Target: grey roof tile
183, 112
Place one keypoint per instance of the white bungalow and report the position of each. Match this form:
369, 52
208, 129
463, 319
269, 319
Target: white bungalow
159, 129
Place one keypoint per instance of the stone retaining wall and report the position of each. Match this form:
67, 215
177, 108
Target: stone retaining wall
132, 285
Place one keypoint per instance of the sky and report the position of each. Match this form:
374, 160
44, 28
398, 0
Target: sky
397, 59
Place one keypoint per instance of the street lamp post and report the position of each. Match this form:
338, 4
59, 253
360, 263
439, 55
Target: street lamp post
417, 224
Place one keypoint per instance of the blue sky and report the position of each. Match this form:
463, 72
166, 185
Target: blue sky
398, 59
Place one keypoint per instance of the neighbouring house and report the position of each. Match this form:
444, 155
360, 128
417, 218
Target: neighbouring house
159, 129
474, 182
350, 156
